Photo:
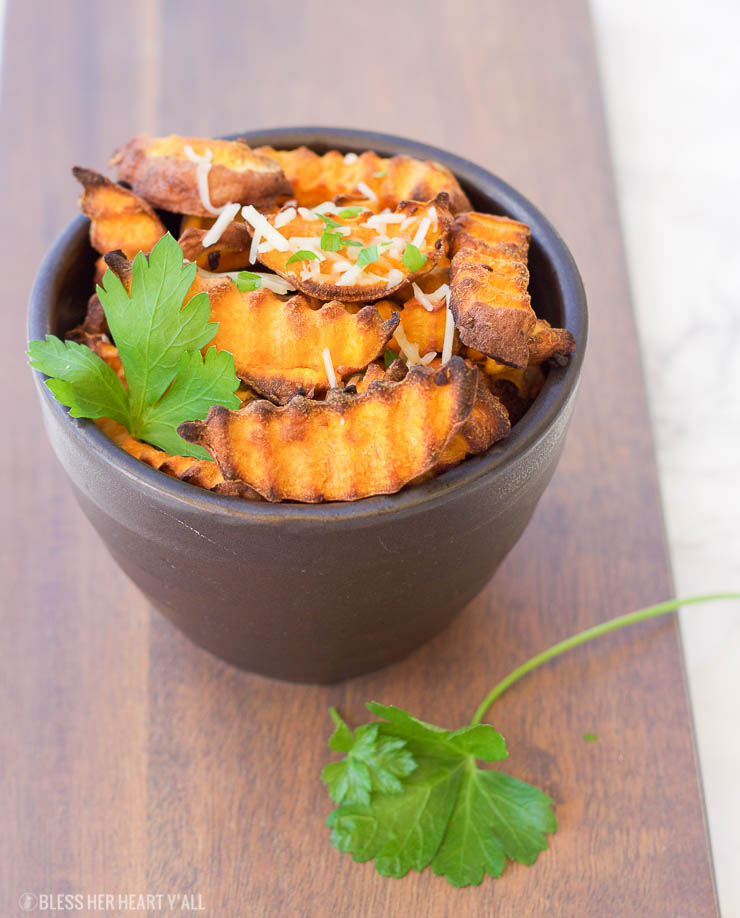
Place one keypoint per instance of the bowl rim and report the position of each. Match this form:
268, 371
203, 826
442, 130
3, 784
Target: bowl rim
559, 386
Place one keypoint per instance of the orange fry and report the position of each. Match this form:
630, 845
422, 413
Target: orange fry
347, 447
119, 219
160, 170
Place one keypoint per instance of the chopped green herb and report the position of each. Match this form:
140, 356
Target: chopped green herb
247, 280
590, 737
381, 174
368, 255
389, 356
348, 213
413, 258
383, 244
352, 242
330, 242
301, 255
328, 221
159, 342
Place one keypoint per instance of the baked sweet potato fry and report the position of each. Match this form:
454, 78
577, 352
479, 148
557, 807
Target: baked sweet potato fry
278, 345
119, 219
360, 257
347, 447
389, 181
487, 423
545, 341
488, 286
230, 253
160, 170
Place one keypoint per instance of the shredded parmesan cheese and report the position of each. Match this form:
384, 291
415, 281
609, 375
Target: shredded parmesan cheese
409, 350
439, 294
285, 216
306, 213
380, 220
330, 375
350, 159
449, 333
203, 167
432, 214
367, 191
350, 276
422, 298
324, 206
394, 277
260, 222
254, 248
224, 218
421, 233
428, 358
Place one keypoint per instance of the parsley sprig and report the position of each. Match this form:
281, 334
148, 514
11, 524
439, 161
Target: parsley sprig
412, 795
159, 341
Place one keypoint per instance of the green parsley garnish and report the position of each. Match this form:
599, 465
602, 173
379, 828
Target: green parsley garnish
590, 737
247, 280
412, 795
352, 242
302, 255
330, 242
368, 255
413, 258
389, 356
328, 221
159, 342
348, 213
381, 174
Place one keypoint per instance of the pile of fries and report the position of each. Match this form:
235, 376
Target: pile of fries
382, 330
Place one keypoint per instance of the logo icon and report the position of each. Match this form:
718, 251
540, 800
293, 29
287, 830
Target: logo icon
27, 902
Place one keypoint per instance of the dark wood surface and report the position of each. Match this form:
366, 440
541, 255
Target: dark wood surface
134, 762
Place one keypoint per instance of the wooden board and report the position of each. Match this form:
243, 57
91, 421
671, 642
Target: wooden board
134, 762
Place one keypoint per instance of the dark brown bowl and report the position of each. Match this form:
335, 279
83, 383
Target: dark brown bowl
318, 593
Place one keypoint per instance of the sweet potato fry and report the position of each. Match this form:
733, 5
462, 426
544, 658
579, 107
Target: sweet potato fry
545, 342
160, 170
488, 283
515, 388
316, 179
367, 257
278, 344
119, 219
347, 447
230, 253
489, 298
487, 423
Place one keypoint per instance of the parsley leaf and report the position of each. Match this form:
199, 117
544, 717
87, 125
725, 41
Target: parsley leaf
329, 222
381, 174
330, 242
302, 255
368, 255
245, 281
352, 242
349, 213
159, 342
413, 258
373, 763
389, 356
462, 820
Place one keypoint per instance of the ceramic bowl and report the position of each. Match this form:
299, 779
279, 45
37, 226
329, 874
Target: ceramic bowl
319, 593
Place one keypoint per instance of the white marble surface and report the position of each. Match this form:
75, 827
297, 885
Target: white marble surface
671, 75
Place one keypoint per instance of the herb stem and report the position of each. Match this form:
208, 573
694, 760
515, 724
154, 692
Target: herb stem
583, 636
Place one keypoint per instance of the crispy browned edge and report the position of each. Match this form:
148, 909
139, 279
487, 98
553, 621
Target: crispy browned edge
379, 291
170, 182
213, 433
280, 390
235, 238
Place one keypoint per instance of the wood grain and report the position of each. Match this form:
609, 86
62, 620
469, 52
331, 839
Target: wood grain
134, 762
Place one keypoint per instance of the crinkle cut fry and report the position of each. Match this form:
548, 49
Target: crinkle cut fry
488, 286
316, 179
278, 345
230, 253
489, 300
159, 169
347, 447
119, 219
380, 278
